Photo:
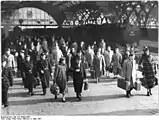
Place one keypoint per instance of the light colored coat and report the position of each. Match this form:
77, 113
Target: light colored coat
129, 70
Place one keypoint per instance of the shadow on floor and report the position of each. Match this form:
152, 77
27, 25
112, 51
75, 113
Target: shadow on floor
68, 99
126, 112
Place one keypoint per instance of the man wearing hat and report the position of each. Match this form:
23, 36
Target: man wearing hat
10, 63
20, 65
44, 71
28, 67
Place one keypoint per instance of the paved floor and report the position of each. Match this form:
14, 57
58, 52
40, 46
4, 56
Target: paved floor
104, 98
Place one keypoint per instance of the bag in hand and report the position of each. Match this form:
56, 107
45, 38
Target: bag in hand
137, 85
36, 82
156, 81
86, 85
54, 89
110, 68
123, 84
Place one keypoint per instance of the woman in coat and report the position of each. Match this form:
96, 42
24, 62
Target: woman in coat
28, 67
99, 65
108, 58
44, 71
60, 77
129, 70
116, 61
149, 72
79, 75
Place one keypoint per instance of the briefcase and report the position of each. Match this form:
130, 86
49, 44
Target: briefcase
137, 85
123, 84
92, 74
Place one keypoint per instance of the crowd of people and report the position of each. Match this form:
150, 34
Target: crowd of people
39, 63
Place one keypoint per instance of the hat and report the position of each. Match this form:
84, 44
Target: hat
27, 56
42, 54
22, 51
62, 59
8, 49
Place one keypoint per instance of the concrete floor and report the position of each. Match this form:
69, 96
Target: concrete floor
104, 98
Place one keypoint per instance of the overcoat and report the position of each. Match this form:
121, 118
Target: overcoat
44, 65
60, 77
129, 71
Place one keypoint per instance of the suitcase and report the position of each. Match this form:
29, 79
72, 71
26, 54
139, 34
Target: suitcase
92, 74
121, 83
137, 85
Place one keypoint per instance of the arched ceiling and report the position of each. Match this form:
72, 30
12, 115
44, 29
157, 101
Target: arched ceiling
64, 10
59, 10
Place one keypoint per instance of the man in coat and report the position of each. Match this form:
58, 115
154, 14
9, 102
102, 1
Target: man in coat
129, 70
21, 62
116, 61
6, 74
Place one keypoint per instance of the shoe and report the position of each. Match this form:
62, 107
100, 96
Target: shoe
80, 97
63, 100
128, 95
77, 95
148, 93
32, 94
6, 105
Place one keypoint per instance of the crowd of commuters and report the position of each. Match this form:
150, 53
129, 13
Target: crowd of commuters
40, 62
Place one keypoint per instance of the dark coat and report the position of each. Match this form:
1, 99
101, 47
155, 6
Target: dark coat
28, 66
60, 77
78, 77
20, 63
45, 66
149, 72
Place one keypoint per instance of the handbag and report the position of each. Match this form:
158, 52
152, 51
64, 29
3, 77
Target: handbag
86, 85
156, 81
54, 89
110, 68
137, 85
36, 82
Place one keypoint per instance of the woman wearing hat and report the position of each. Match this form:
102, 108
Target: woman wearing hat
44, 71
60, 77
28, 67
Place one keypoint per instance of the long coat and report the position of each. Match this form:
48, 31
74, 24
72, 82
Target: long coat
116, 60
44, 65
20, 63
60, 77
28, 66
149, 72
129, 71
108, 57
99, 65
78, 77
